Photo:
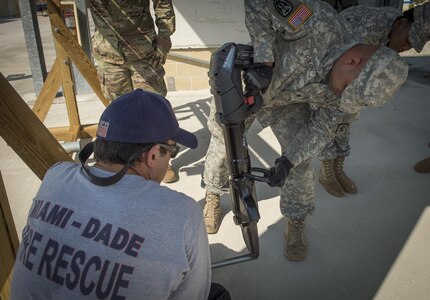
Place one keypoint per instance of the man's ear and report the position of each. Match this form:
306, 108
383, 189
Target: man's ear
354, 61
151, 156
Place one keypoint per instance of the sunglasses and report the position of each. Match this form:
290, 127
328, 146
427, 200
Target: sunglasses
173, 149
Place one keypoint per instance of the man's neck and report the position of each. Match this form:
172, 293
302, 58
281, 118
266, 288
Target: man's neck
112, 167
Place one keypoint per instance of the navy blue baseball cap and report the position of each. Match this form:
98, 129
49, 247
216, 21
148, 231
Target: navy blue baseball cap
142, 117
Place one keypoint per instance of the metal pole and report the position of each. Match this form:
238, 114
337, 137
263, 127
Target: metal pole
33, 43
84, 27
76, 146
232, 261
81, 84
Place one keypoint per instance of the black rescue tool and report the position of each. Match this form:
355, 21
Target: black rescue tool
233, 107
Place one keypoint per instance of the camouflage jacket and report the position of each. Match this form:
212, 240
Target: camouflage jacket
304, 50
372, 24
130, 22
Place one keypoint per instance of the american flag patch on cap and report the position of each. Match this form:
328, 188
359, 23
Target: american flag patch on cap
300, 16
102, 129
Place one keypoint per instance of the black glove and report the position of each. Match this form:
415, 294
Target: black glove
257, 79
162, 47
279, 172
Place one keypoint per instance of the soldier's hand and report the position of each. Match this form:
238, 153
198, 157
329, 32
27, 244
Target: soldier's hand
158, 60
162, 46
257, 79
278, 174
250, 89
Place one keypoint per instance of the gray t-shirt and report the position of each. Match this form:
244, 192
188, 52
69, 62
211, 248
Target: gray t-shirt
131, 240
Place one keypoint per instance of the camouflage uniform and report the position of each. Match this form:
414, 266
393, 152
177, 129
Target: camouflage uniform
419, 33
373, 26
307, 113
129, 52
215, 174
340, 5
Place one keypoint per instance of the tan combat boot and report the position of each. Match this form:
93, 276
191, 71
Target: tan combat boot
212, 213
346, 182
296, 248
170, 175
423, 166
328, 179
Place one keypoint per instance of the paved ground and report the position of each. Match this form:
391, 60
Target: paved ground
373, 244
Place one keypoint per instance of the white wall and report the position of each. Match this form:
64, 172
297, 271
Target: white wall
209, 23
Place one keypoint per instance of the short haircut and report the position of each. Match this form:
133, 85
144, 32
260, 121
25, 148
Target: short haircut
119, 153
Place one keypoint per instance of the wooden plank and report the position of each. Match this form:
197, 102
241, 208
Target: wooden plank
49, 91
5, 291
69, 93
66, 74
7, 260
73, 50
8, 242
62, 133
7, 213
26, 134
89, 130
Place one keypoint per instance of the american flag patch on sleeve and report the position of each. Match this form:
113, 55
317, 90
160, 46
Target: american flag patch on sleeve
300, 16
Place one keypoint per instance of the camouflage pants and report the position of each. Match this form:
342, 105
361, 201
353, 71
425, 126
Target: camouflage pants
121, 72
123, 78
298, 192
339, 146
215, 174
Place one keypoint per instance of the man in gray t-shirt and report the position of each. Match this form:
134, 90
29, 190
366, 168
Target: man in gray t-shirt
110, 231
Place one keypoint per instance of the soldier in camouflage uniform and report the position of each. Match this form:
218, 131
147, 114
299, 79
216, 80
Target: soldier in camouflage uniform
376, 26
313, 89
130, 53
340, 5
419, 34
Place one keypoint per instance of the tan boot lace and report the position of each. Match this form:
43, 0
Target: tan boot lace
298, 226
212, 206
328, 168
338, 166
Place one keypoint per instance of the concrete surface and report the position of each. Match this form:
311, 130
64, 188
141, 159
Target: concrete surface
376, 242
